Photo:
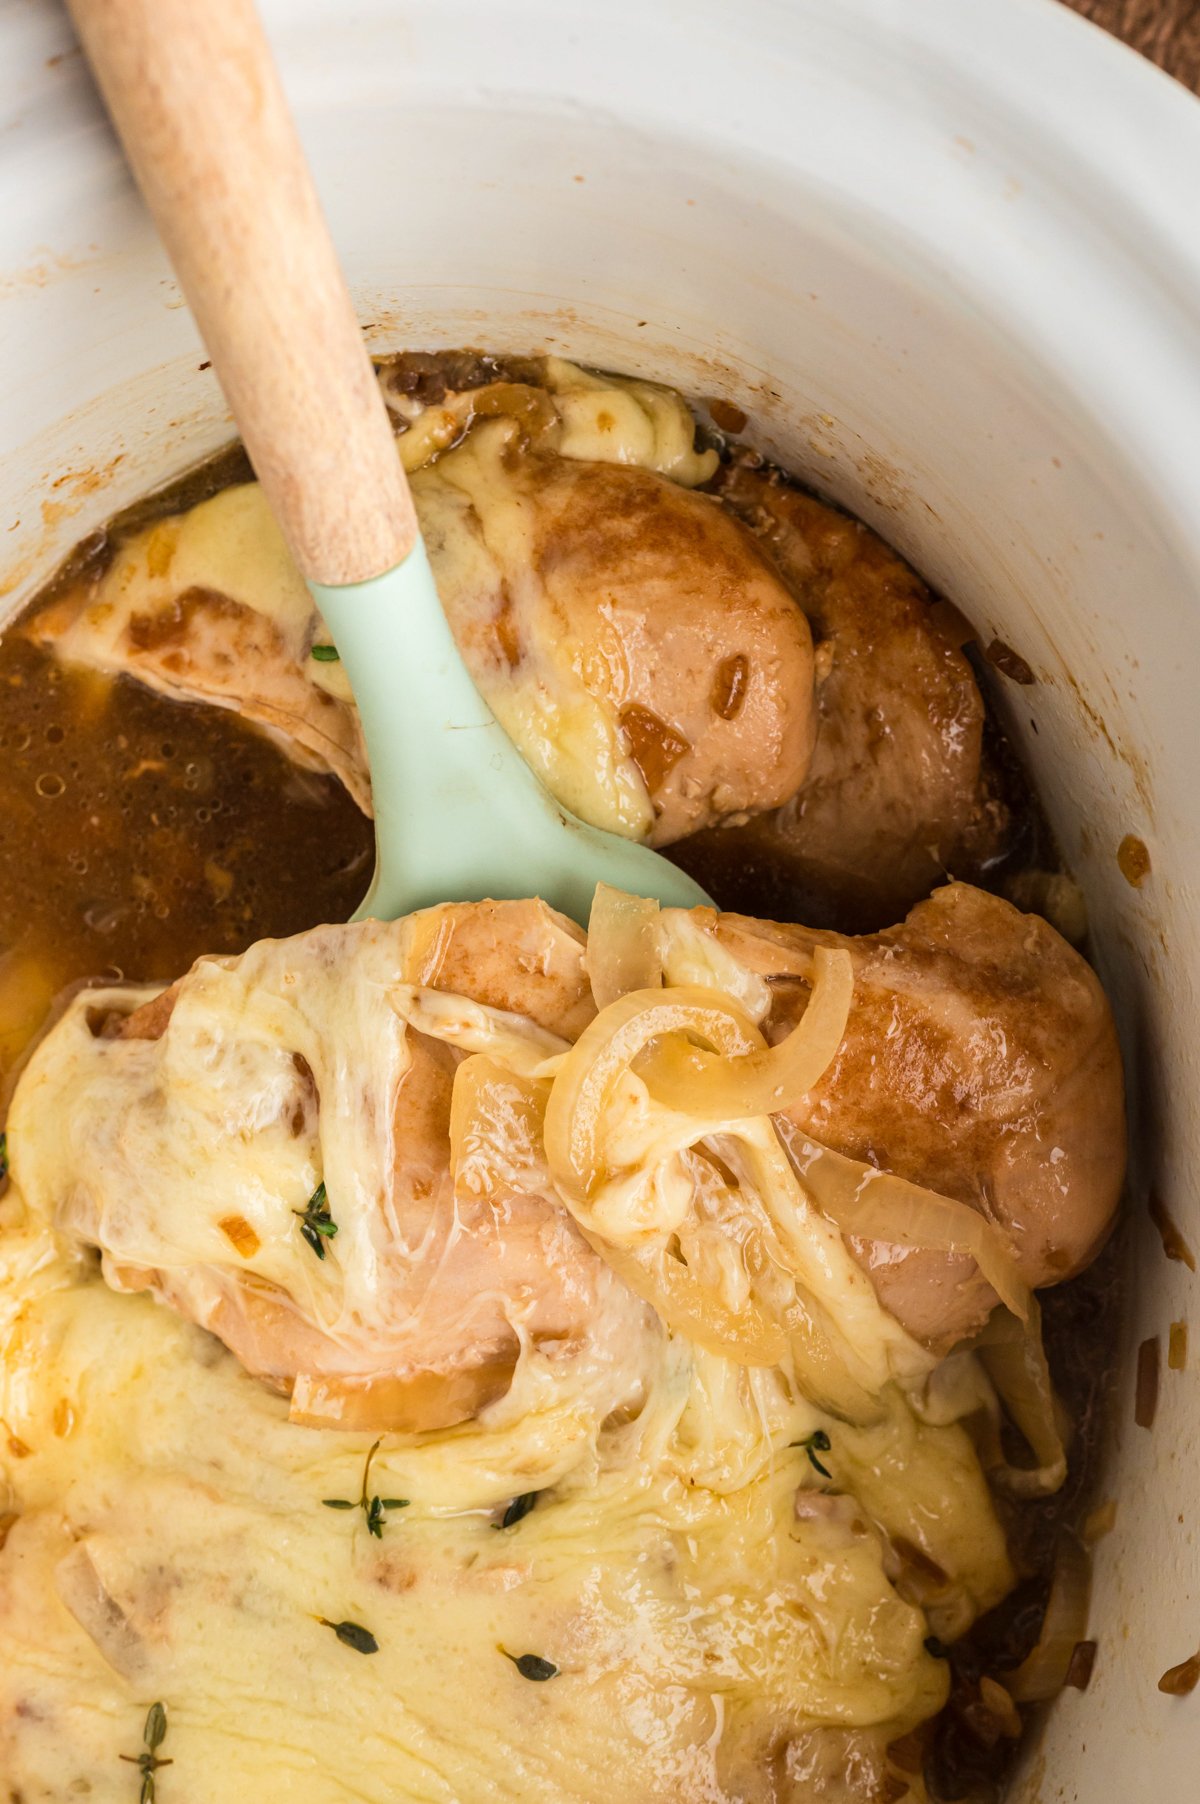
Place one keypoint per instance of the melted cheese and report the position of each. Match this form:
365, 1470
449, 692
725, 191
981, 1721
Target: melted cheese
614, 419
712, 1607
170, 1542
209, 603
557, 702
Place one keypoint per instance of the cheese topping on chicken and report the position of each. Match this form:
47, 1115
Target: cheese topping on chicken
629, 634
662, 1485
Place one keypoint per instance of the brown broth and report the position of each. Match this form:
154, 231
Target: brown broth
139, 832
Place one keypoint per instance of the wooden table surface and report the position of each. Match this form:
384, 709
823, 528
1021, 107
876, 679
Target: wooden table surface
1167, 31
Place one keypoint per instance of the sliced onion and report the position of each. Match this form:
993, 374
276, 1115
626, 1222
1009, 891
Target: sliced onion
746, 1334
754, 945
692, 952
623, 945
475, 1027
1044, 1673
876, 1205
576, 1116
391, 1403
770, 1308
1014, 1359
768, 1081
769, 1324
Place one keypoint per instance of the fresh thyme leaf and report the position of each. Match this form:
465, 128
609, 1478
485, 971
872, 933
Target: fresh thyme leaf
518, 1509
316, 1223
312, 1237
532, 1666
156, 1727
371, 1507
817, 1442
353, 1635
325, 654
149, 1761
3, 1156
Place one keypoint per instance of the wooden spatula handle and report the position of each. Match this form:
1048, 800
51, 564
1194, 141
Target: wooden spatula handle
194, 93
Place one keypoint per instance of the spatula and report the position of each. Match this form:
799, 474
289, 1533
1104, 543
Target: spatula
459, 816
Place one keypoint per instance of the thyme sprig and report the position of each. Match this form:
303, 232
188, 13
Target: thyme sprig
149, 1761
372, 1507
316, 1223
325, 654
817, 1442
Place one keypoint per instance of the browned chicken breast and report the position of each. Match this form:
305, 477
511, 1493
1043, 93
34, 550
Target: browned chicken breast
585, 595
271, 1145
900, 793
631, 636
981, 1061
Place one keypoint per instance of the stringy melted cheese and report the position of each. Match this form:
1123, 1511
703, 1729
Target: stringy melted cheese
716, 1612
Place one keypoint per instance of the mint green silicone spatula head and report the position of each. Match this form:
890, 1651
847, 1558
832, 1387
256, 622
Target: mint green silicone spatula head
458, 814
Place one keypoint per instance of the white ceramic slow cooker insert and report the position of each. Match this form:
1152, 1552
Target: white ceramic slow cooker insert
946, 255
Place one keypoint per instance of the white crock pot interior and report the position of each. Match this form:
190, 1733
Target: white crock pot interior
946, 254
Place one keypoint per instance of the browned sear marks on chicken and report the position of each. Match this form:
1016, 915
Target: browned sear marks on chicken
692, 609
900, 793
173, 624
981, 1061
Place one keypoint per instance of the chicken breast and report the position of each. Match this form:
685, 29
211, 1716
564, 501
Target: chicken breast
271, 1147
981, 1061
630, 634
900, 792
266, 1147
